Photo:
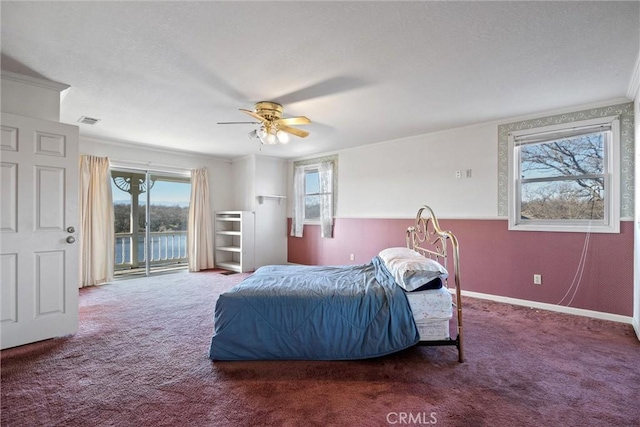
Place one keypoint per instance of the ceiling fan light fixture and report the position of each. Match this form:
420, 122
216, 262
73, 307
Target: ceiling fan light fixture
271, 139
273, 128
282, 137
262, 132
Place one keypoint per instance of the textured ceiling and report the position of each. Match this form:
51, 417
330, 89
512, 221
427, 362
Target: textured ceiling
163, 73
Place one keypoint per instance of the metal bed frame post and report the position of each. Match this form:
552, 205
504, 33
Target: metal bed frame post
427, 231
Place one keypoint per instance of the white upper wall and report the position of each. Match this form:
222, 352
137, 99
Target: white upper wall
31, 97
232, 185
243, 184
254, 176
394, 178
270, 176
271, 216
156, 159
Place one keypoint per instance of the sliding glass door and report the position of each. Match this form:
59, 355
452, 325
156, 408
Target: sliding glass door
153, 239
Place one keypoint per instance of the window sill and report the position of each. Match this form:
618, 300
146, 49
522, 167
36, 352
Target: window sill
567, 228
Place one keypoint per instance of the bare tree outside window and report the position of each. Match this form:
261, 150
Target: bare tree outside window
312, 195
563, 179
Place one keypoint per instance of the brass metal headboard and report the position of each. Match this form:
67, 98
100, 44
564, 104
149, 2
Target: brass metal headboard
427, 238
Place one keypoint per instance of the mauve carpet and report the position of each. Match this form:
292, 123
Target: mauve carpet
140, 359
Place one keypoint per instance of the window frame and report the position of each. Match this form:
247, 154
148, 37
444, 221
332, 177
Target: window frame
314, 163
310, 169
611, 174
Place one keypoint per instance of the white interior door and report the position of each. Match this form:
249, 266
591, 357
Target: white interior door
38, 222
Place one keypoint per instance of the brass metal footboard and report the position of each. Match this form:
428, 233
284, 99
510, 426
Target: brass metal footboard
427, 238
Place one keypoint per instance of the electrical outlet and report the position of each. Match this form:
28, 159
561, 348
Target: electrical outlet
458, 174
352, 257
537, 279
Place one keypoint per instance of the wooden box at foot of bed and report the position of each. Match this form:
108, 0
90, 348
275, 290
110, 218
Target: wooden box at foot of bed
400, 299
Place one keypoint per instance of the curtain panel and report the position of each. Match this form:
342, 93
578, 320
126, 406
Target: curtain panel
97, 229
200, 226
297, 222
325, 174
326, 171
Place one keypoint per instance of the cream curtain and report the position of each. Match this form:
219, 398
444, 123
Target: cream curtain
97, 234
297, 222
325, 175
200, 228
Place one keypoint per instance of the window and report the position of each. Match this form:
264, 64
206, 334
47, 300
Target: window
314, 193
565, 177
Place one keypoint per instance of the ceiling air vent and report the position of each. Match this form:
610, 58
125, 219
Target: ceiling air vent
88, 120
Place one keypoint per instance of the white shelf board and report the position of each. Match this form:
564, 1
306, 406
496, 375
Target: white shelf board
268, 196
229, 265
229, 248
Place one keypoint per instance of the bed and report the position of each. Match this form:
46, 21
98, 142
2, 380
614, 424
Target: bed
401, 298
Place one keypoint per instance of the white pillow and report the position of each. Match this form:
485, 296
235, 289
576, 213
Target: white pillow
398, 253
410, 269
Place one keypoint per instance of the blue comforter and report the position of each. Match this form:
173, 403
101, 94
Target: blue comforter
309, 312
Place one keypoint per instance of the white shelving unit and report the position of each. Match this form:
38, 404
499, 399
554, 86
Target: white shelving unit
235, 240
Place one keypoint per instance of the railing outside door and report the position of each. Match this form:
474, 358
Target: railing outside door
166, 247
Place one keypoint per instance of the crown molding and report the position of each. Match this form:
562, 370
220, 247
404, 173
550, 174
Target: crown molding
34, 81
88, 138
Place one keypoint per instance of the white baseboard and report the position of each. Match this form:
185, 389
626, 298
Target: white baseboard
552, 307
636, 327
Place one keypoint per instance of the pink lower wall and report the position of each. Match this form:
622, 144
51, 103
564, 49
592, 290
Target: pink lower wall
496, 261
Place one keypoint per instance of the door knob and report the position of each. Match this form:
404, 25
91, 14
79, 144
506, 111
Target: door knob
71, 230
71, 239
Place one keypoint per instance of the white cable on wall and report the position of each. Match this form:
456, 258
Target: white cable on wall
579, 270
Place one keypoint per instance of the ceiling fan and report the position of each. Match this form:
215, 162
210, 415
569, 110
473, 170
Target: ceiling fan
273, 128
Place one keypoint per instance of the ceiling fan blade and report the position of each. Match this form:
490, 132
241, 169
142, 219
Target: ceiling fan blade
238, 123
254, 115
301, 120
293, 131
